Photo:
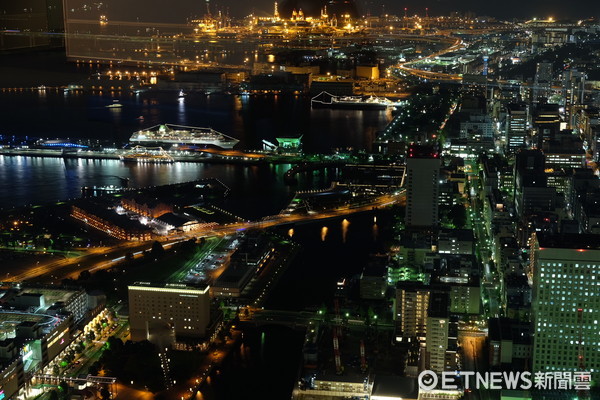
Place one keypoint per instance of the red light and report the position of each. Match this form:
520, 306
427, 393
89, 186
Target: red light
580, 309
580, 250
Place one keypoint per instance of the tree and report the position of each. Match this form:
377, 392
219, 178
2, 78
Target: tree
94, 369
157, 250
458, 215
79, 347
104, 393
63, 386
53, 395
85, 276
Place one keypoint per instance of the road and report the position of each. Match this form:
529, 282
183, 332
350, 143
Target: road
439, 76
106, 257
474, 359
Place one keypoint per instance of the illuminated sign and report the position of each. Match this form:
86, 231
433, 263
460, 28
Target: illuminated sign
56, 339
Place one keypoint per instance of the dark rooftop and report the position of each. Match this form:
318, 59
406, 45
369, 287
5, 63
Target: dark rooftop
569, 241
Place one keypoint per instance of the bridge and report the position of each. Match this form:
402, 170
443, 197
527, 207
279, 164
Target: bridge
97, 380
290, 175
291, 319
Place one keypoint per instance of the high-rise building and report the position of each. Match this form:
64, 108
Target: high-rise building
547, 122
441, 334
566, 305
573, 92
184, 309
412, 302
423, 174
542, 82
532, 193
517, 120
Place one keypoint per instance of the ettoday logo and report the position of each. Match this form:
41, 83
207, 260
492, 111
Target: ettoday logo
429, 380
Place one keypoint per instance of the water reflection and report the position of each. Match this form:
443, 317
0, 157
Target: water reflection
345, 225
324, 231
375, 232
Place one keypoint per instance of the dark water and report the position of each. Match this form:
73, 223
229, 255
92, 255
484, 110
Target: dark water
250, 119
330, 250
266, 366
255, 190
53, 114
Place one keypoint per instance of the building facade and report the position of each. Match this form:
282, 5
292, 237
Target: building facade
184, 308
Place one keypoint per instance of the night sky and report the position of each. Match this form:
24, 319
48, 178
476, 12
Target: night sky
497, 8
154, 10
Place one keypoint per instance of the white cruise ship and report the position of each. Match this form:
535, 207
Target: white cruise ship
182, 135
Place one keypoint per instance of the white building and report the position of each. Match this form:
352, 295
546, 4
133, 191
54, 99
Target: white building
566, 305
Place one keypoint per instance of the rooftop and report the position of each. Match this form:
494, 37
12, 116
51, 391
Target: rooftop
569, 241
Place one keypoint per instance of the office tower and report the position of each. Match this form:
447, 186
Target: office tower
573, 92
547, 123
531, 184
542, 82
423, 171
566, 305
517, 119
184, 309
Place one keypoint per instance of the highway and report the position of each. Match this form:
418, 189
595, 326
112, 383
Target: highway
439, 76
106, 257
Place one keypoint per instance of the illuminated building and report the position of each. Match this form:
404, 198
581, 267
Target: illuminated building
53, 301
184, 309
110, 222
532, 193
517, 119
412, 302
31, 342
547, 122
456, 241
423, 174
144, 205
318, 8
566, 305
441, 335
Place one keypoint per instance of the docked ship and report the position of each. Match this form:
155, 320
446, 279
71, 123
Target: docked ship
168, 134
152, 155
328, 100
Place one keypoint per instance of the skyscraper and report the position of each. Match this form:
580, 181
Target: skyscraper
566, 305
517, 119
423, 174
543, 82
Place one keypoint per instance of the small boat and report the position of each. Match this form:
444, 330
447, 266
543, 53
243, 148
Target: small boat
181, 94
140, 118
115, 104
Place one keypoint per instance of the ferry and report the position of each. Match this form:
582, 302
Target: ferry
179, 135
151, 155
328, 100
115, 104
